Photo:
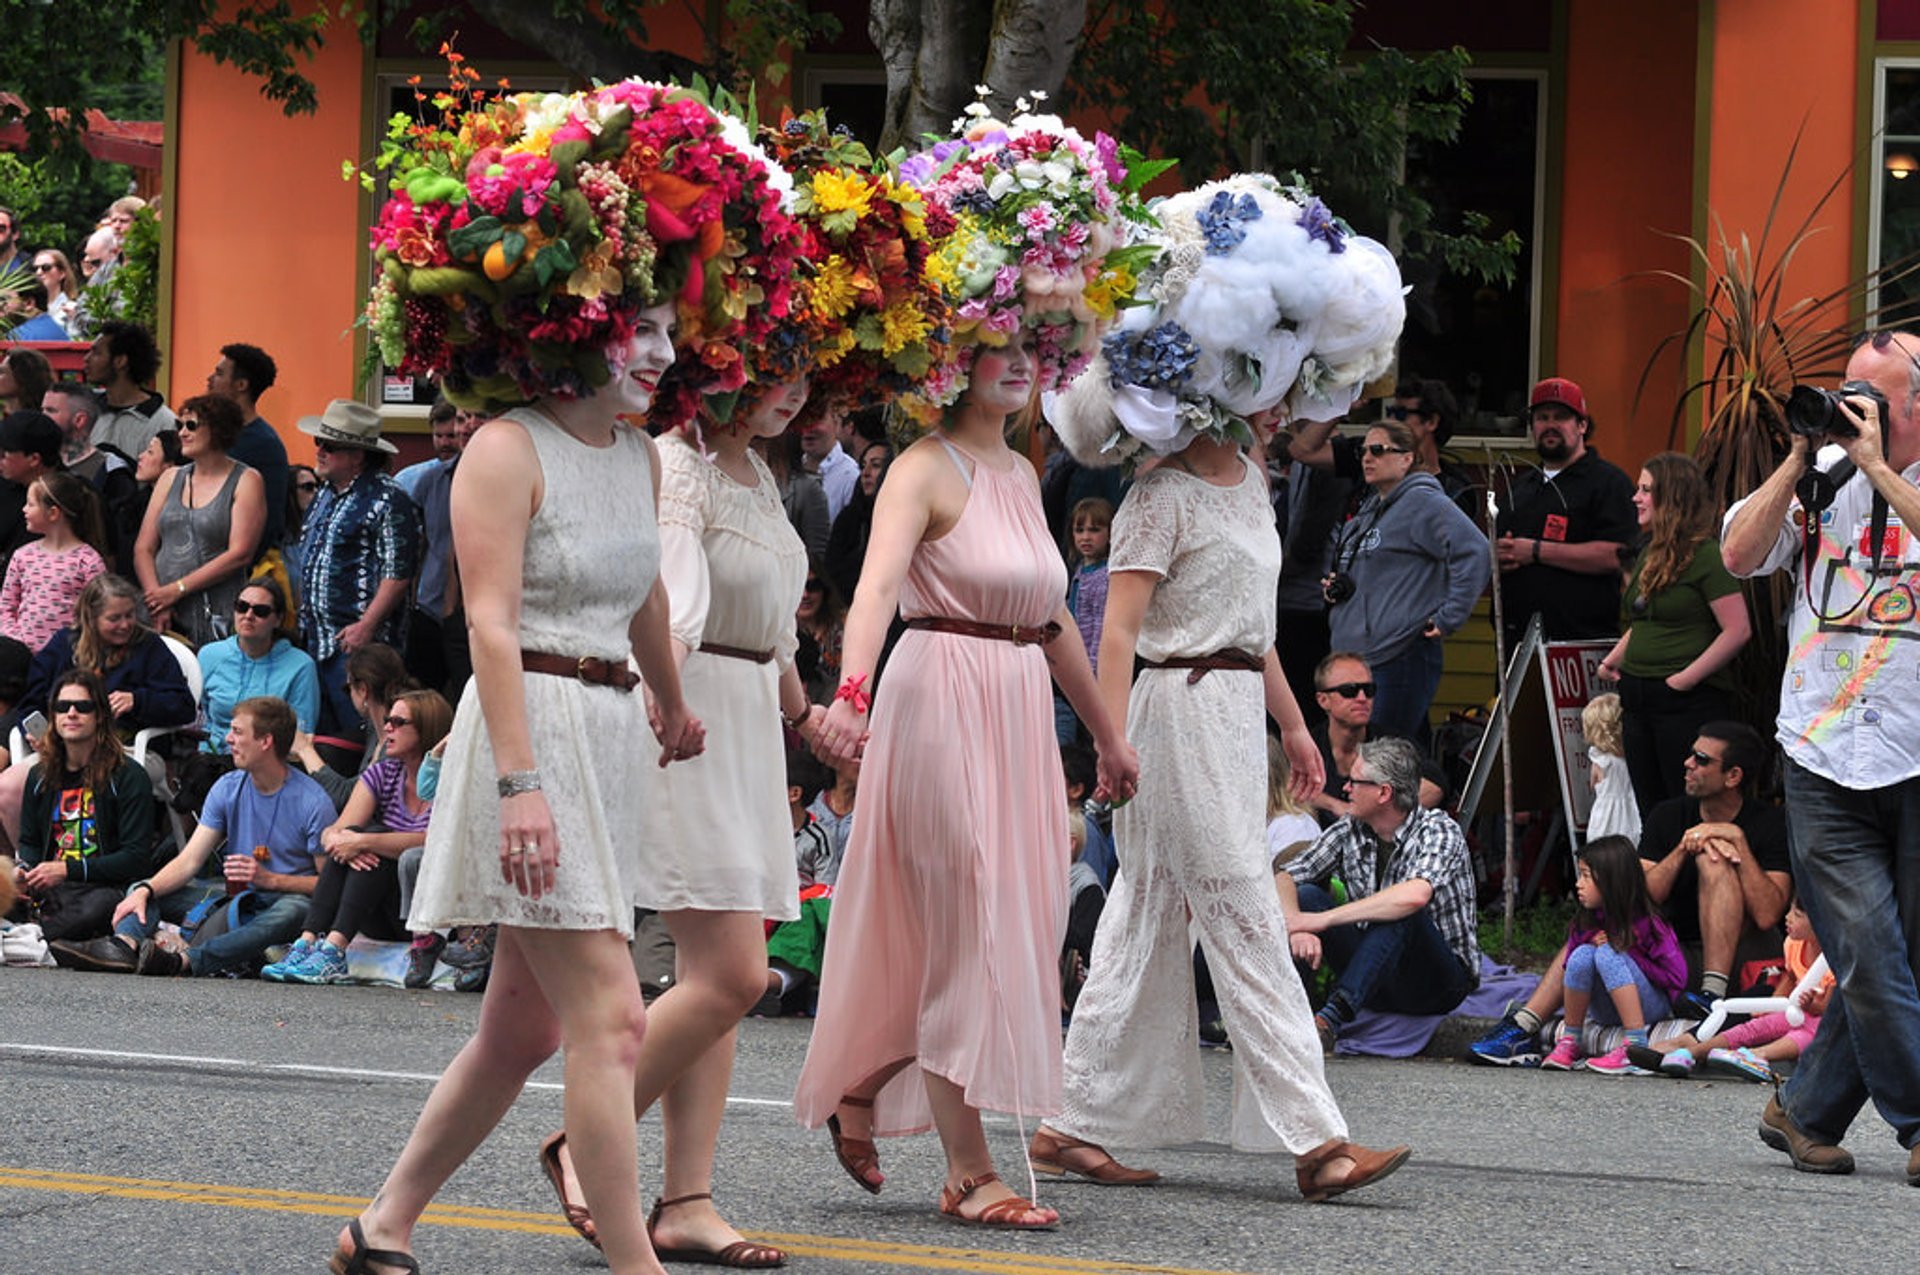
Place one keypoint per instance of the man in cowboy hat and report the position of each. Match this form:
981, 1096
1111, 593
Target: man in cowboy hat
360, 550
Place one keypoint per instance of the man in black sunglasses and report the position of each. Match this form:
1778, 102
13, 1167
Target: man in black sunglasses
1563, 528
1343, 688
1850, 725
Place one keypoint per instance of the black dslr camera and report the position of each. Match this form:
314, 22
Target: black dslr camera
1815, 412
1337, 588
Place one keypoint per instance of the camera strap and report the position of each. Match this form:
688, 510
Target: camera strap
1349, 546
1816, 491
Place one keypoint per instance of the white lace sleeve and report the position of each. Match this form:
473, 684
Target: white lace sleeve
1147, 527
685, 507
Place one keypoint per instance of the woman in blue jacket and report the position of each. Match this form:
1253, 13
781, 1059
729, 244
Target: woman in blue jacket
1407, 570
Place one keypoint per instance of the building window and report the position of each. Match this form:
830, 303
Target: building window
1893, 225
1483, 339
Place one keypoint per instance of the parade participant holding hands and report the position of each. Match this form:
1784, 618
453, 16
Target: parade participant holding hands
1195, 562
940, 994
558, 547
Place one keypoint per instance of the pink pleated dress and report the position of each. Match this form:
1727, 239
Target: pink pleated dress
951, 906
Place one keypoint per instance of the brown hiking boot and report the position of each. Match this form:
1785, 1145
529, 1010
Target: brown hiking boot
1807, 1154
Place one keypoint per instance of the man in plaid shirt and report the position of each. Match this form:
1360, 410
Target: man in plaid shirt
1405, 941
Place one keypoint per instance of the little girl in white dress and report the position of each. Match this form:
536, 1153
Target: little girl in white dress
1615, 813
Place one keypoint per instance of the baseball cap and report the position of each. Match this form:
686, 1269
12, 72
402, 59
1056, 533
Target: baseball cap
1558, 389
31, 433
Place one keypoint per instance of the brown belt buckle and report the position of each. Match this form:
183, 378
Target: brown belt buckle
1020, 636
580, 669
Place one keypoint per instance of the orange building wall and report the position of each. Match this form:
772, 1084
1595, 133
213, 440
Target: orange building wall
1758, 107
263, 232
1627, 175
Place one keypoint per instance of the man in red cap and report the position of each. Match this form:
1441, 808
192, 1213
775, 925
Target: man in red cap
1564, 528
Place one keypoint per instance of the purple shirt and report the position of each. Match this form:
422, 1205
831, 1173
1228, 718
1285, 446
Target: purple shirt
1655, 950
1087, 598
387, 781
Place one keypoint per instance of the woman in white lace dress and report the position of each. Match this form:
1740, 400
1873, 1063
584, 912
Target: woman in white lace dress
1194, 563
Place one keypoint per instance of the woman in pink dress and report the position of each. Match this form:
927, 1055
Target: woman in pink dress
940, 995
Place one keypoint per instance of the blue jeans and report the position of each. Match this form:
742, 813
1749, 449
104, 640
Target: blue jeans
1406, 686
1600, 971
278, 920
338, 717
1401, 967
1856, 858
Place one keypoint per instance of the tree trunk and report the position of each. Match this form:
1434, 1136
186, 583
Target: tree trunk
936, 51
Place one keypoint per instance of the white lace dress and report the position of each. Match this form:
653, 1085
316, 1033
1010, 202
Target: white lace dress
592, 555
734, 568
1615, 813
1194, 841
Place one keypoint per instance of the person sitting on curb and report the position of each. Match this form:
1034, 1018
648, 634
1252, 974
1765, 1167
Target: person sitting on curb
269, 817
1406, 940
1716, 859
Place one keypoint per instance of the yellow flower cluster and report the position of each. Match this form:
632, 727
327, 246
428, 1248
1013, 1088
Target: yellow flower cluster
901, 326
834, 192
1106, 292
835, 290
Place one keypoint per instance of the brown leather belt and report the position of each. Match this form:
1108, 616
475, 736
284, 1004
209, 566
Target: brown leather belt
1018, 634
1204, 664
737, 653
588, 668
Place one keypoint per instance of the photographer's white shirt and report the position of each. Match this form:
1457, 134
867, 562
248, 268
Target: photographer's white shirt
1850, 693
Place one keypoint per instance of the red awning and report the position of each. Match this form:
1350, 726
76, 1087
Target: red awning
136, 143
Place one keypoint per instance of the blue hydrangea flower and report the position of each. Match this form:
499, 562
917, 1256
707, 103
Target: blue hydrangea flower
1319, 223
1160, 358
1224, 222
975, 201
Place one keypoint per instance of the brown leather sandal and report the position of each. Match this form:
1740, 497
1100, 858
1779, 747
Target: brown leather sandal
1369, 1166
355, 1258
1044, 1154
1000, 1213
575, 1211
739, 1255
858, 1156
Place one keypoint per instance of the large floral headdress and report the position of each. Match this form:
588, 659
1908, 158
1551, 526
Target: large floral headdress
1032, 224
871, 323
525, 234
1260, 298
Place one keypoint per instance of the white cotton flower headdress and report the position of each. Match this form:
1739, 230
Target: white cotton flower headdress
1260, 298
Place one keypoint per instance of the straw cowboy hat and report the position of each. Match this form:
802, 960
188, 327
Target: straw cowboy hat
348, 423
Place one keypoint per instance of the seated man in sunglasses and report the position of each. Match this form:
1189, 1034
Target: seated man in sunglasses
1406, 940
1343, 687
1716, 859
264, 822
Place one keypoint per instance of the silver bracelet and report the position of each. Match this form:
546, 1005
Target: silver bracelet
516, 782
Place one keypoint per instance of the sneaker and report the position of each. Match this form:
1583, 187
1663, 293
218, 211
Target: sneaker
1645, 1056
1566, 1054
1508, 1045
1807, 1153
421, 959
282, 969
1678, 1064
324, 964
474, 950
473, 980
1695, 1005
1616, 1063
1740, 1062
109, 955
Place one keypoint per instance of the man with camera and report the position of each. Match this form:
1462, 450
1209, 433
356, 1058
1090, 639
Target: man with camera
1850, 725
1563, 527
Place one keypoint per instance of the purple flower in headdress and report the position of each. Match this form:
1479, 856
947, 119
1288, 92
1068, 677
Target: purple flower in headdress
918, 170
1223, 222
1319, 223
1107, 151
975, 200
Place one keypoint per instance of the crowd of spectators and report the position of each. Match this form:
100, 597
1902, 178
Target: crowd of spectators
42, 296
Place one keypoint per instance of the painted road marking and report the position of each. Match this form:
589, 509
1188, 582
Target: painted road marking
841, 1248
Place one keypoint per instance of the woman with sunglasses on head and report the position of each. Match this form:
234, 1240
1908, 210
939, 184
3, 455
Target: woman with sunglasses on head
359, 887
203, 526
86, 815
1684, 620
1407, 570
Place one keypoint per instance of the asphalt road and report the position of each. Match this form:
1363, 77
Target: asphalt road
163, 1126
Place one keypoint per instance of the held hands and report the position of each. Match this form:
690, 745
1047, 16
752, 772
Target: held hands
529, 845
1117, 766
842, 735
680, 733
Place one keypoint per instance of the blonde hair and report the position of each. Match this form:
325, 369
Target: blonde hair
1600, 723
1279, 779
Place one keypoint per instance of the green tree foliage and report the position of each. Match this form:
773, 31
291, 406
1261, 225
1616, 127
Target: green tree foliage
57, 206
1270, 84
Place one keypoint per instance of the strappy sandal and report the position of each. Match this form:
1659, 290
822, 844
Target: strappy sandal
575, 1211
1044, 1154
740, 1255
1369, 1166
858, 1156
1001, 1213
360, 1260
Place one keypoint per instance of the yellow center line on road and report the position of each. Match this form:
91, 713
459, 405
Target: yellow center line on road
842, 1248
